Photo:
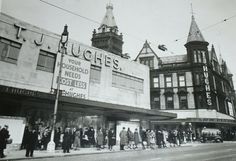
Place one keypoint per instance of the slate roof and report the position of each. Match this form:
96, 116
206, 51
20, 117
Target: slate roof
194, 32
174, 59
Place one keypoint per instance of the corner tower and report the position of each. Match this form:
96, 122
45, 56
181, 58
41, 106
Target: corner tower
196, 45
107, 37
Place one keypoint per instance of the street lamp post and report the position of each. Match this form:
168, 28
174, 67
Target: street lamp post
63, 42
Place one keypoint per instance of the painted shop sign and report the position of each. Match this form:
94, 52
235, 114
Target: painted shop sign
207, 85
17, 91
96, 57
75, 74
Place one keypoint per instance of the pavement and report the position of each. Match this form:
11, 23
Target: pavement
13, 153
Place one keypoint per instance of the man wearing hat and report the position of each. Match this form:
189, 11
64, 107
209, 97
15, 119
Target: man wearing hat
4, 135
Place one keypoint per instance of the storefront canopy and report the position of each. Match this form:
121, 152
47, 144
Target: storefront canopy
116, 111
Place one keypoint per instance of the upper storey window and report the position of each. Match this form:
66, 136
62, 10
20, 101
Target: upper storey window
199, 56
149, 61
181, 80
46, 61
168, 81
9, 50
95, 74
156, 82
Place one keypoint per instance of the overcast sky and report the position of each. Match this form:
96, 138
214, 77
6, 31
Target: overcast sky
157, 21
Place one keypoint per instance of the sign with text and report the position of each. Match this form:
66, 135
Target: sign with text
207, 85
75, 74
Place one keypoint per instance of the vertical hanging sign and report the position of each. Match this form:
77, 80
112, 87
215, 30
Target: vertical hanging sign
207, 85
75, 74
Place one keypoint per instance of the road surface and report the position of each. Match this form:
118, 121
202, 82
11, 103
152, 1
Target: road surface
198, 152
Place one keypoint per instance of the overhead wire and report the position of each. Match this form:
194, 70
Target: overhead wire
86, 18
135, 37
209, 26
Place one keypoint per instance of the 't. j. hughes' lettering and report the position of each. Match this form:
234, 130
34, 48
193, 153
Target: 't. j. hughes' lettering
96, 57
207, 85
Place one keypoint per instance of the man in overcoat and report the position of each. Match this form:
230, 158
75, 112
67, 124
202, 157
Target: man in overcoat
4, 135
30, 142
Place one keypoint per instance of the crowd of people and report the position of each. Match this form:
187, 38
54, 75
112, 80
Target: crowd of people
150, 138
70, 138
38, 137
76, 138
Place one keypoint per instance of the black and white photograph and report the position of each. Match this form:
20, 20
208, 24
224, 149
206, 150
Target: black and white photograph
117, 80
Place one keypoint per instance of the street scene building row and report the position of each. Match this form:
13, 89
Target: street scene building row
102, 87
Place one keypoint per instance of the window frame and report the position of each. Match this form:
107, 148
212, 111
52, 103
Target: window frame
167, 82
156, 103
46, 55
10, 45
156, 84
97, 69
183, 81
180, 102
167, 104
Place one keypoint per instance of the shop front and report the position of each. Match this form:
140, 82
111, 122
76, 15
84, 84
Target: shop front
37, 108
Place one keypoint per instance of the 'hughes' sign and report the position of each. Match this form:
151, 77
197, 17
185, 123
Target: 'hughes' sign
96, 57
207, 85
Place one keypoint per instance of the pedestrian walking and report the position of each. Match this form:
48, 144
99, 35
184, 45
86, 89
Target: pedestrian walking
76, 143
4, 135
165, 136
130, 137
136, 138
152, 139
57, 137
66, 141
30, 142
175, 135
91, 136
143, 137
159, 137
148, 137
105, 138
85, 140
46, 137
123, 138
111, 139
100, 139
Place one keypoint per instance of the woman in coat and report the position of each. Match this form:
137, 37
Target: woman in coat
99, 138
123, 138
66, 141
152, 139
77, 139
111, 139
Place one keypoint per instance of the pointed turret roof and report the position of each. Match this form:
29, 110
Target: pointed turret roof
213, 54
109, 19
194, 32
